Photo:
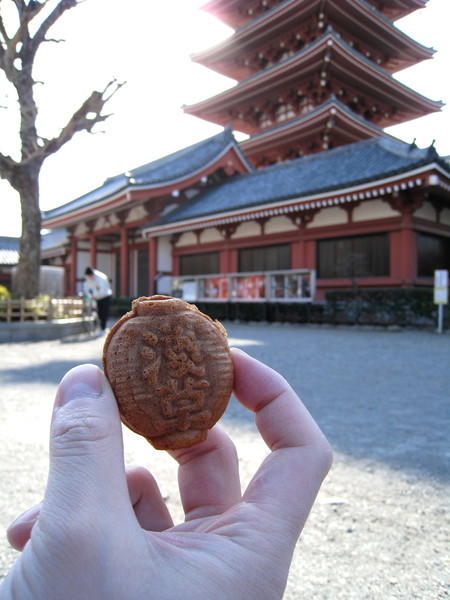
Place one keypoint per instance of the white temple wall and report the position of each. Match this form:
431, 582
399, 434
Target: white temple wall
210, 235
279, 225
329, 216
370, 210
187, 239
445, 216
164, 253
247, 229
426, 212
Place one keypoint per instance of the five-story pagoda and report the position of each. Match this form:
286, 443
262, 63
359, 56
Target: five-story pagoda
311, 74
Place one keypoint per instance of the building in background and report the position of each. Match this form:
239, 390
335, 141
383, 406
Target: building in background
317, 184
9, 258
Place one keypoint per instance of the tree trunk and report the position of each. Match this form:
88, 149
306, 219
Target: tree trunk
26, 279
17, 55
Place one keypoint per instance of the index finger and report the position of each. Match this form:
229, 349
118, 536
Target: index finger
287, 482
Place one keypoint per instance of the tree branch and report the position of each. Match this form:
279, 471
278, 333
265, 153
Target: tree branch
8, 168
3, 30
59, 9
84, 119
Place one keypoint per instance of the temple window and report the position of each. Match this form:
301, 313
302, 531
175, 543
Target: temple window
205, 263
264, 258
433, 252
354, 256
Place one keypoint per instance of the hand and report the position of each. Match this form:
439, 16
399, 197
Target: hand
103, 532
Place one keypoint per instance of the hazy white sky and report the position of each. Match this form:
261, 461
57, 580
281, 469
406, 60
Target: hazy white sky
148, 45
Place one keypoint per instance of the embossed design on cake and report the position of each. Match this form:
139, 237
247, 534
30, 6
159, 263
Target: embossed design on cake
181, 385
170, 368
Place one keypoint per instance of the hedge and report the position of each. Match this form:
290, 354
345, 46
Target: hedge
381, 307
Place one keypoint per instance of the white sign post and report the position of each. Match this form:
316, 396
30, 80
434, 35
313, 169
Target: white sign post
440, 295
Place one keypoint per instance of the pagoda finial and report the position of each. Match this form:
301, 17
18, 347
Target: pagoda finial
432, 152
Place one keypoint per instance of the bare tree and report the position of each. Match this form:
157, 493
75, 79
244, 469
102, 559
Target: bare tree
18, 50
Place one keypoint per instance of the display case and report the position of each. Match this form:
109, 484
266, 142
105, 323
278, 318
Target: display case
269, 286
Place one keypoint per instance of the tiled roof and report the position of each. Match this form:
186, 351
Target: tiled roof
163, 171
258, 82
54, 239
354, 164
181, 163
322, 109
9, 251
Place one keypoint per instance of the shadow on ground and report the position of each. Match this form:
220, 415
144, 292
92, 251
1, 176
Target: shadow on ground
51, 371
377, 395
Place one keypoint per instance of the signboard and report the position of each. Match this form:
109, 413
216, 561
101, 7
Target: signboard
214, 288
248, 287
441, 287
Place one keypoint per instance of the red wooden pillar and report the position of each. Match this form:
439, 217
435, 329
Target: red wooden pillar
298, 255
403, 246
124, 261
224, 260
152, 264
92, 250
67, 276
73, 266
408, 251
303, 250
227, 257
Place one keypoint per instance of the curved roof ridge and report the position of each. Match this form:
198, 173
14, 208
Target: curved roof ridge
359, 163
329, 34
162, 171
332, 101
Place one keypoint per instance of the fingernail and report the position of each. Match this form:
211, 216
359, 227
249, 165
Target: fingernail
29, 516
237, 350
83, 381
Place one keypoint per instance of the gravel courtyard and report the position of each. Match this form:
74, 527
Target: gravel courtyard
380, 528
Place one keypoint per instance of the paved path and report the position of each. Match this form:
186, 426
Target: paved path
380, 527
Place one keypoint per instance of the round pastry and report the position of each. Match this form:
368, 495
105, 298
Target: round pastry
170, 368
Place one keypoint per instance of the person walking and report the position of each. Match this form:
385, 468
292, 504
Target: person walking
97, 286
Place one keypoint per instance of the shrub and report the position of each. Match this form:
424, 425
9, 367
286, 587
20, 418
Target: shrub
382, 306
120, 305
4, 293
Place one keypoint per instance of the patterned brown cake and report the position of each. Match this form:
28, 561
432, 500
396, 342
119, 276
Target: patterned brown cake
170, 368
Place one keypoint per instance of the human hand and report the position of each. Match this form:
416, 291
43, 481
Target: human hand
104, 532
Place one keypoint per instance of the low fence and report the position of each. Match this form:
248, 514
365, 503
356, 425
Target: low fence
44, 309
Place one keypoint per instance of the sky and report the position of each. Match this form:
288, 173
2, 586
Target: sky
148, 46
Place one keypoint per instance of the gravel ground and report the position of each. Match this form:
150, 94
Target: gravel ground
380, 526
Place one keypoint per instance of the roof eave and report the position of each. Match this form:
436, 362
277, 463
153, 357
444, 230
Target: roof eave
366, 190
134, 191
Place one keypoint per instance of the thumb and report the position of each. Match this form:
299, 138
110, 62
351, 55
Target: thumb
86, 448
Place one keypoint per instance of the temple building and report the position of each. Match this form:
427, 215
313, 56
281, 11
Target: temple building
317, 197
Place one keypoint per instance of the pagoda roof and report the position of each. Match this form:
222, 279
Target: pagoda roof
308, 182
229, 12
352, 16
343, 64
175, 171
236, 13
9, 250
332, 116
396, 9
